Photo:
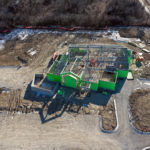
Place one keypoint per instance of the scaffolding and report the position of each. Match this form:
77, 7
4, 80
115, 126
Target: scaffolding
97, 62
104, 55
92, 64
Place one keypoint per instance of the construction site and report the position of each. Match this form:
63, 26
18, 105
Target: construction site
91, 67
75, 75
73, 82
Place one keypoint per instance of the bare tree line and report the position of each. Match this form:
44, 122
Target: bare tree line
87, 13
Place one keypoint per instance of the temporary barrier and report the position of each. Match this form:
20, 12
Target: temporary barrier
53, 77
60, 92
129, 56
122, 73
70, 81
107, 85
94, 86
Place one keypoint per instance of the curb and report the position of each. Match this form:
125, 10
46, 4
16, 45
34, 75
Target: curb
9, 67
131, 121
116, 114
144, 79
134, 128
146, 148
138, 131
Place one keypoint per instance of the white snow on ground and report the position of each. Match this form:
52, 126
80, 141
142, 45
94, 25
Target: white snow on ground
2, 42
116, 37
147, 83
146, 9
23, 35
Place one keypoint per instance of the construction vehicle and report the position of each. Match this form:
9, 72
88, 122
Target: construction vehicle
140, 57
55, 55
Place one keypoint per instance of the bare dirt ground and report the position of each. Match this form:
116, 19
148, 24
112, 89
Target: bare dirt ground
140, 104
144, 35
16, 47
108, 115
26, 131
146, 73
65, 133
12, 102
132, 33
45, 45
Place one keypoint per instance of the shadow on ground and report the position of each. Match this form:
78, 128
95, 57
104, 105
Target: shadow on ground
71, 102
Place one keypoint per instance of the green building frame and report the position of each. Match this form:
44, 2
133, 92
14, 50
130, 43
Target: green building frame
74, 69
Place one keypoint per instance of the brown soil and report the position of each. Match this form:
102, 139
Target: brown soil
107, 112
16, 47
140, 104
143, 34
13, 102
108, 116
146, 73
146, 57
44, 44
129, 33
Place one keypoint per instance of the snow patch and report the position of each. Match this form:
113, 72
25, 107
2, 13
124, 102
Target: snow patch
23, 35
147, 83
2, 42
32, 52
116, 37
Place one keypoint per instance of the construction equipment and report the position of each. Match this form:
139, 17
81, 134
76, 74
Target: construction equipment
140, 57
55, 56
93, 62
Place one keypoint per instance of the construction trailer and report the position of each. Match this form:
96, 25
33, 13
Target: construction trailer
91, 67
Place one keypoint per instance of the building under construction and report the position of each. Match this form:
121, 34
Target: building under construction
91, 66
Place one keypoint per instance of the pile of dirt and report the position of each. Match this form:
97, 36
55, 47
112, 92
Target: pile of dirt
139, 107
87, 13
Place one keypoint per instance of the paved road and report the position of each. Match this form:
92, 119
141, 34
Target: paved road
126, 135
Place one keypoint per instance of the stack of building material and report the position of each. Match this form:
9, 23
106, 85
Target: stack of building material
130, 76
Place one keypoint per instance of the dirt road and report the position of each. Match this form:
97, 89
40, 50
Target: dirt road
25, 132
72, 133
